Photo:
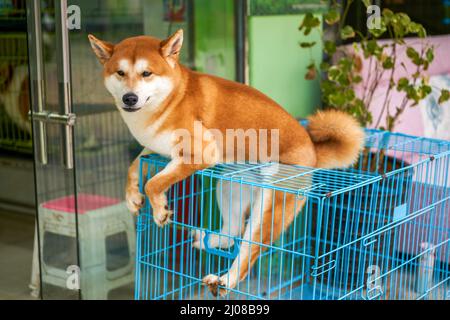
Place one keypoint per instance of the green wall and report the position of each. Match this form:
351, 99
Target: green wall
214, 37
277, 64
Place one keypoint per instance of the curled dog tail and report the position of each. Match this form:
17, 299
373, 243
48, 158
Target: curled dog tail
337, 138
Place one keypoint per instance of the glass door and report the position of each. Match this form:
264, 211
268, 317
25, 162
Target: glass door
85, 236
56, 246
104, 148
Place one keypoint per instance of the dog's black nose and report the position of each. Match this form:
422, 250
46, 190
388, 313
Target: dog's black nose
130, 99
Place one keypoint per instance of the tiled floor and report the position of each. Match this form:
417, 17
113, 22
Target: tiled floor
16, 245
16, 248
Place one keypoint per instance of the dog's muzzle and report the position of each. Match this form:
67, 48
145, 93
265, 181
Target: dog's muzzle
130, 100
130, 109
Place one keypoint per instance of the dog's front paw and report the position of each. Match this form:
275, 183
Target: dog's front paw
162, 216
134, 200
215, 285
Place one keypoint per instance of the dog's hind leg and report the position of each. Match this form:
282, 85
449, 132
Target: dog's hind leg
233, 199
271, 212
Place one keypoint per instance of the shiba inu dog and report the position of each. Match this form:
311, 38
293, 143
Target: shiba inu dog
156, 96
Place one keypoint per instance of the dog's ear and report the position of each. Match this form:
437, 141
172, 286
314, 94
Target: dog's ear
102, 49
171, 47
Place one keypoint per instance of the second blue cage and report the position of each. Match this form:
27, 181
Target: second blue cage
379, 230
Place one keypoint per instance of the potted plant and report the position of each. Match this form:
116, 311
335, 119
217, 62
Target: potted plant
344, 86
342, 75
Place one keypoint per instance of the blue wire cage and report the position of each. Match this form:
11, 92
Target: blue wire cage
378, 230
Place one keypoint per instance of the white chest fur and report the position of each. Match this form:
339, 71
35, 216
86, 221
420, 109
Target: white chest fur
146, 134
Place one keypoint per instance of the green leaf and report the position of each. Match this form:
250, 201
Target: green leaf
378, 32
371, 48
332, 17
312, 72
349, 95
422, 32
324, 66
309, 22
347, 32
414, 27
388, 14
357, 79
338, 99
343, 79
414, 56
430, 55
412, 53
402, 84
307, 44
404, 19
412, 94
417, 28
400, 24
329, 47
390, 121
444, 97
424, 91
388, 63
333, 73
346, 64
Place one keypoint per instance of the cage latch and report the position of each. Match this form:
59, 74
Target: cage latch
221, 253
369, 241
319, 270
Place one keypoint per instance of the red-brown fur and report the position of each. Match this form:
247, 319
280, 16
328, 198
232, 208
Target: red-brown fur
334, 138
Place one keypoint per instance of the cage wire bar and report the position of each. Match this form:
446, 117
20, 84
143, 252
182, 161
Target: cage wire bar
378, 230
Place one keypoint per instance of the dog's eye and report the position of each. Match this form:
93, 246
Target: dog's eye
146, 74
121, 73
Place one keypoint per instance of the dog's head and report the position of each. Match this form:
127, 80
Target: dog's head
140, 72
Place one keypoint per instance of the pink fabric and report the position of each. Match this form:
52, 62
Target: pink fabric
86, 203
411, 120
